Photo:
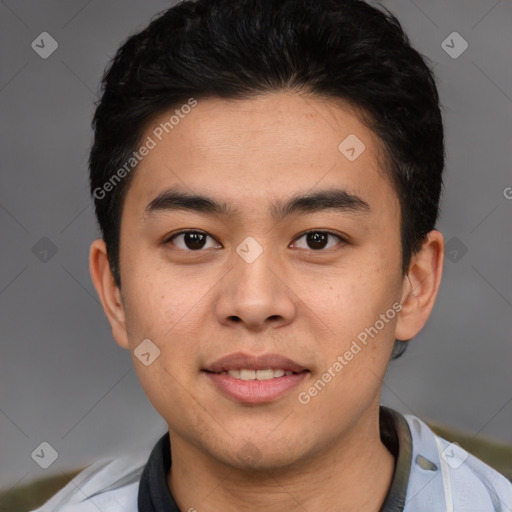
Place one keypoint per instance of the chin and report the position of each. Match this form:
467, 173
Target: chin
261, 456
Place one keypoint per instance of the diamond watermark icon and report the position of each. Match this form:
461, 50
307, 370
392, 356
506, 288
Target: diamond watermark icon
455, 249
351, 147
45, 455
146, 352
44, 45
454, 45
249, 249
249, 453
44, 249
454, 455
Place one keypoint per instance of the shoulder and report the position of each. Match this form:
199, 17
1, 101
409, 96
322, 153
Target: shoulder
446, 476
109, 484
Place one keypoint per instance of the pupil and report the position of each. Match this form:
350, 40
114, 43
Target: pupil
317, 240
194, 240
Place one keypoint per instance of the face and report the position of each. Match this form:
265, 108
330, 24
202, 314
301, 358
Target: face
295, 258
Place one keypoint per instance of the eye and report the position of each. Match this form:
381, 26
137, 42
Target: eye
190, 240
317, 240
196, 240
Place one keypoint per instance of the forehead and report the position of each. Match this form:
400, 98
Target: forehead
261, 149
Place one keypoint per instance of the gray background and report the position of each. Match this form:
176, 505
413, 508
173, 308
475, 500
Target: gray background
64, 380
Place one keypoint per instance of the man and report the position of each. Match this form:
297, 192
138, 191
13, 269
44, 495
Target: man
266, 176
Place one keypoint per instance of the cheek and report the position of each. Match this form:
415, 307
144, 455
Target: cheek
347, 298
169, 311
350, 302
160, 302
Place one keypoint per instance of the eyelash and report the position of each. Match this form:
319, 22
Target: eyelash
342, 240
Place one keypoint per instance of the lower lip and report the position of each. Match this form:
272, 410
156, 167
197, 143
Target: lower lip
255, 391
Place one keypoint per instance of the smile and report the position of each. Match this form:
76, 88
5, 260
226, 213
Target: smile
248, 386
248, 374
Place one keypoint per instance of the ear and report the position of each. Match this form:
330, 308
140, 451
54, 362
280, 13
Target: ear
420, 287
108, 292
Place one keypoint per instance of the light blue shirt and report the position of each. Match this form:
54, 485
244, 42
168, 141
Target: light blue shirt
443, 477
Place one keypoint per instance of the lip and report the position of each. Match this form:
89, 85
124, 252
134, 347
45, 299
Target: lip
252, 362
254, 391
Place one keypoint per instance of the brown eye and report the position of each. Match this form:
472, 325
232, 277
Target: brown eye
190, 240
318, 240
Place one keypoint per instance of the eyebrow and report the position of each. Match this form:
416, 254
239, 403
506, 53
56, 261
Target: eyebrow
329, 199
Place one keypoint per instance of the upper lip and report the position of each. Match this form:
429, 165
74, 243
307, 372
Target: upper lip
240, 360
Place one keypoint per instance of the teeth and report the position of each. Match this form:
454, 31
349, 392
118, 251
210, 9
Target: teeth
245, 374
264, 374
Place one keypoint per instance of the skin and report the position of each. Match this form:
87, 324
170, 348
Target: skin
306, 304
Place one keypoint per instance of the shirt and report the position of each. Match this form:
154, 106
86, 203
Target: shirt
431, 475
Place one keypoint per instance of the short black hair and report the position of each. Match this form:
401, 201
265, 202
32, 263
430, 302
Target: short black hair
337, 49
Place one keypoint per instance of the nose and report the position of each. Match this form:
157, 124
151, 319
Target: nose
256, 295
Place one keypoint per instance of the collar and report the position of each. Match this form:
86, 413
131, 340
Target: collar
154, 494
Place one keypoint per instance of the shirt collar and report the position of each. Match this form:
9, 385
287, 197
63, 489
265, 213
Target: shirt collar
396, 436
154, 494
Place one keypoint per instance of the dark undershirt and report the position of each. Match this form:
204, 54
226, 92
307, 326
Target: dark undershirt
155, 496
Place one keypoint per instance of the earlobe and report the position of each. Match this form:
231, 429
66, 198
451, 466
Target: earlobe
421, 286
108, 292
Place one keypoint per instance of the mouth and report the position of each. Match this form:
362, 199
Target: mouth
249, 374
242, 362
255, 379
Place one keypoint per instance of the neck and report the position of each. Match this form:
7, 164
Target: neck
353, 473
